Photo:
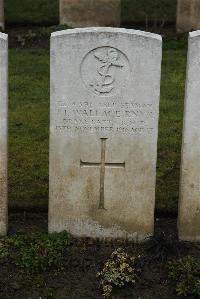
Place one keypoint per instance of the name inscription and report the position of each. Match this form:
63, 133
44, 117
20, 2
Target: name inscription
126, 117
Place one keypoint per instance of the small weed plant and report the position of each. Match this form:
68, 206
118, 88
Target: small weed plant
23, 38
39, 252
162, 246
120, 269
186, 274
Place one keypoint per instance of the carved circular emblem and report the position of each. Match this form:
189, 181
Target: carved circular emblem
105, 71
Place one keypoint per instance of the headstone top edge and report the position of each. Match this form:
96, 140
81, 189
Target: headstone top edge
3, 36
107, 30
194, 34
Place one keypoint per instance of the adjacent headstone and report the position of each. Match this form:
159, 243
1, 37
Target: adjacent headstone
2, 14
189, 207
188, 15
105, 87
3, 131
87, 13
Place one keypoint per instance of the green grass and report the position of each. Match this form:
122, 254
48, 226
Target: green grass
32, 12
149, 11
47, 11
29, 119
170, 126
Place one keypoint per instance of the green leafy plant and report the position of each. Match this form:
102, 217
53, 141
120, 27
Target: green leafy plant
120, 269
186, 274
39, 252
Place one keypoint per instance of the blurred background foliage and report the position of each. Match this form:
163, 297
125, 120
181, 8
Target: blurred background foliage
37, 12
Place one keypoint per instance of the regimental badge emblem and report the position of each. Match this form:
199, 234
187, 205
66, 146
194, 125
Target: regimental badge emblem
105, 70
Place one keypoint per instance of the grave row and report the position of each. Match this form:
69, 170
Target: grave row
105, 90
79, 13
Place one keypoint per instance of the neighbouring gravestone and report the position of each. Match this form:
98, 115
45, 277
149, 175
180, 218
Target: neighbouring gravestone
188, 15
3, 131
2, 14
105, 86
189, 207
86, 13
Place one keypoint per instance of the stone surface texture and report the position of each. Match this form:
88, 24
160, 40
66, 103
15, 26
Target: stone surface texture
105, 86
2, 14
86, 13
188, 15
3, 131
189, 207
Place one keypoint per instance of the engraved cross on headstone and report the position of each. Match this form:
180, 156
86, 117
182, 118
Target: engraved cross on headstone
103, 165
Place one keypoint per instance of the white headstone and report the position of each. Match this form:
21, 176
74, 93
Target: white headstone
3, 131
189, 207
105, 86
87, 13
188, 12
